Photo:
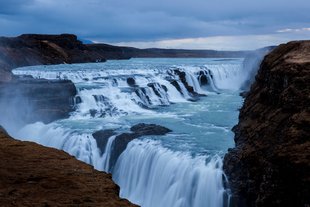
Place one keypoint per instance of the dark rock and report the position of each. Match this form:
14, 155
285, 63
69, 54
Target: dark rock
138, 130
176, 85
93, 112
203, 78
143, 95
182, 77
102, 137
153, 86
270, 165
78, 100
164, 87
131, 82
149, 129
30, 100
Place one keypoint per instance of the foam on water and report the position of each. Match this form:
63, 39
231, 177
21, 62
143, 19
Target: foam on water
152, 176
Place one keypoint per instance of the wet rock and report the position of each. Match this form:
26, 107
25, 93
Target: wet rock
270, 165
102, 137
154, 88
182, 77
93, 112
164, 87
138, 130
149, 129
30, 100
203, 79
176, 85
33, 175
144, 97
131, 82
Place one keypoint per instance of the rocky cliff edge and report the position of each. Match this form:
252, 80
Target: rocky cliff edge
270, 165
33, 175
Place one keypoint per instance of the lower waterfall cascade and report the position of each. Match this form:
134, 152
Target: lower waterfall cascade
198, 99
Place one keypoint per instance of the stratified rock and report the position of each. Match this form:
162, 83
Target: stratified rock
29, 100
270, 165
33, 175
139, 130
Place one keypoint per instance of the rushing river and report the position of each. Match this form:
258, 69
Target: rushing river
180, 169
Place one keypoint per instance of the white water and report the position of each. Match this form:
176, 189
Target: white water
152, 176
182, 169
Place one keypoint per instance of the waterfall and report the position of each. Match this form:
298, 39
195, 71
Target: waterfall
107, 155
148, 173
153, 176
82, 146
228, 77
103, 93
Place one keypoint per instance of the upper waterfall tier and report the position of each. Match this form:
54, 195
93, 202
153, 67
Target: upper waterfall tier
112, 89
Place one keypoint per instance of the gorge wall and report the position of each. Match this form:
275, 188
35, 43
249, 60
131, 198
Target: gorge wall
270, 165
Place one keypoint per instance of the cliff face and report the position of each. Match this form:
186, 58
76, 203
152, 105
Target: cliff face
26, 100
33, 175
270, 165
30, 49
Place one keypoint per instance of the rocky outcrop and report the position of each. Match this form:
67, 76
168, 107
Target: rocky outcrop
33, 175
35, 49
102, 137
28, 100
121, 141
270, 165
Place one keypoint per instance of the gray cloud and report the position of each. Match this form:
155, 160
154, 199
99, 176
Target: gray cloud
146, 20
9, 7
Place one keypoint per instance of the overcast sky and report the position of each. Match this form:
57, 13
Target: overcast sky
192, 24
